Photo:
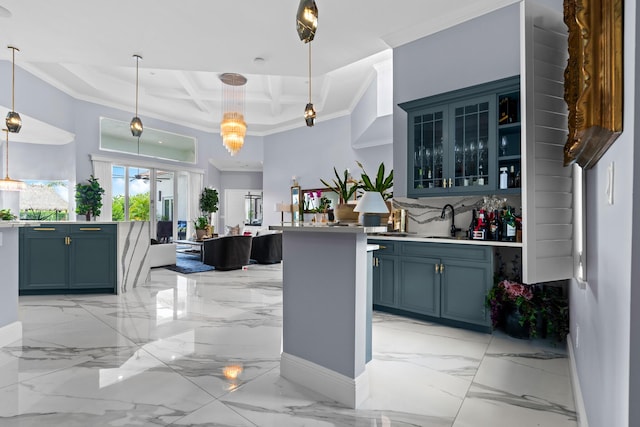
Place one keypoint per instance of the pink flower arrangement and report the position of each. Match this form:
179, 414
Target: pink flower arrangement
514, 290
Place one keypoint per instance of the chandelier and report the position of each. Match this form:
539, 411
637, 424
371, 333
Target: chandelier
233, 127
307, 20
6, 183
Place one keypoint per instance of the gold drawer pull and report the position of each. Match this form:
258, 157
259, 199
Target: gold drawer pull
90, 228
441, 268
381, 247
436, 268
45, 229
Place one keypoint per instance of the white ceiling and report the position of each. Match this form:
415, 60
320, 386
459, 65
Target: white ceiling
85, 48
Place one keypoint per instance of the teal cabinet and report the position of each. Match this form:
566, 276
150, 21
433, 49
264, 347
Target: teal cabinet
454, 139
43, 258
419, 285
68, 258
434, 281
92, 257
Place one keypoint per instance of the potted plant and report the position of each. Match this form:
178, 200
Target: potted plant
89, 198
201, 224
6, 215
514, 307
346, 190
208, 205
382, 185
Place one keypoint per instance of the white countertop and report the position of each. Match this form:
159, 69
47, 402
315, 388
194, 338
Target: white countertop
328, 229
425, 239
11, 224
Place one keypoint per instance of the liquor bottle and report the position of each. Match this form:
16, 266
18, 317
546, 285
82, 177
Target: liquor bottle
480, 232
512, 177
472, 225
518, 182
508, 226
494, 227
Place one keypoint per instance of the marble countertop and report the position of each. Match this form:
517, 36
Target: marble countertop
12, 224
446, 240
329, 229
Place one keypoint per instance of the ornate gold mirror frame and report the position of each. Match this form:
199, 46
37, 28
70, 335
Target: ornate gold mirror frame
593, 78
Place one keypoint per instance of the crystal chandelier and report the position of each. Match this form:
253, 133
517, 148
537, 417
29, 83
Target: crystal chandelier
6, 183
233, 127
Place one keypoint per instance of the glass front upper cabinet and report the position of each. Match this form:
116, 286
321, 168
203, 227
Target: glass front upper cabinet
453, 140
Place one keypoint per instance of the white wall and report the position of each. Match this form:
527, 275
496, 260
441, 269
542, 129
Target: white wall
601, 314
478, 51
310, 154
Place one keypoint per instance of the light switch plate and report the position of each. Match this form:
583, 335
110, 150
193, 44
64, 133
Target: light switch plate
610, 184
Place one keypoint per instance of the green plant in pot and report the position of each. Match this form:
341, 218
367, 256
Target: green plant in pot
382, 185
208, 205
89, 198
202, 226
345, 189
6, 215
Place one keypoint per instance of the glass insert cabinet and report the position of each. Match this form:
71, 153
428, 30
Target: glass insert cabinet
459, 141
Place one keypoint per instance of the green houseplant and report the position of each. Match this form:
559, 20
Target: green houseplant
345, 190
381, 184
89, 198
6, 215
201, 224
208, 205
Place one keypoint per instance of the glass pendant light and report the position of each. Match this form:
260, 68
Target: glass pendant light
233, 128
309, 111
136, 123
13, 120
307, 20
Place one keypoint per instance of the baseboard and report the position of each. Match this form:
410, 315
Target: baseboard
351, 392
575, 384
10, 333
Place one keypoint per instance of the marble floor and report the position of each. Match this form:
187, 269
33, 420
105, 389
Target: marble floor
204, 349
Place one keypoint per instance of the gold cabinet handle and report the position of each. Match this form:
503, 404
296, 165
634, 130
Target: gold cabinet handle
444, 183
436, 268
441, 268
381, 247
450, 183
90, 228
44, 229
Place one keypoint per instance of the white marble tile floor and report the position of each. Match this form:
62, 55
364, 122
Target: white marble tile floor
204, 350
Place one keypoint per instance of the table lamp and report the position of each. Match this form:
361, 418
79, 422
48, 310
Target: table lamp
370, 205
282, 208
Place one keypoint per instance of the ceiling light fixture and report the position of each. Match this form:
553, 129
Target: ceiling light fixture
136, 123
307, 20
309, 111
13, 120
233, 127
6, 183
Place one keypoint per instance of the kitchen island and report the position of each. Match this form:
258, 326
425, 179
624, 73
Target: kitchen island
325, 310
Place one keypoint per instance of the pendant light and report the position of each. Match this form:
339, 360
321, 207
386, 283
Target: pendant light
309, 111
307, 20
6, 183
13, 120
233, 128
136, 123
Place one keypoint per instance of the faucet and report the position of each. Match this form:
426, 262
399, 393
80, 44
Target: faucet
453, 219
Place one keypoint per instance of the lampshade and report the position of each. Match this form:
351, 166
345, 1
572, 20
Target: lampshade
371, 202
13, 120
370, 205
307, 20
283, 207
6, 183
136, 123
233, 128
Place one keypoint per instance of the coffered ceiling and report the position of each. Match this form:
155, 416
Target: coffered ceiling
85, 48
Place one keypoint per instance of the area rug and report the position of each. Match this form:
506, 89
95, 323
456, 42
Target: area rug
188, 263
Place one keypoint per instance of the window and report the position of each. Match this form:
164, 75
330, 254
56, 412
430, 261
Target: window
45, 200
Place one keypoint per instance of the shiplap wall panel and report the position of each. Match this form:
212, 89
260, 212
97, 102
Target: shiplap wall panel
547, 184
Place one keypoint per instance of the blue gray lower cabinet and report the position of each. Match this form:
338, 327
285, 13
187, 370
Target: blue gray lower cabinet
68, 259
445, 283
